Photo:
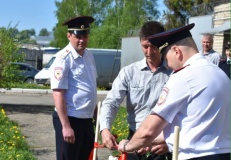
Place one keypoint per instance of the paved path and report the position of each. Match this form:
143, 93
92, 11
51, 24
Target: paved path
35, 97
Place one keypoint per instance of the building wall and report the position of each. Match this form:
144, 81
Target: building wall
221, 15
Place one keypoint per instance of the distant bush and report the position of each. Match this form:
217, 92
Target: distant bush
8, 53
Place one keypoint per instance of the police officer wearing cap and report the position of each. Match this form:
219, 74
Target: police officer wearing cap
73, 81
193, 99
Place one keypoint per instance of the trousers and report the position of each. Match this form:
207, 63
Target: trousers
84, 139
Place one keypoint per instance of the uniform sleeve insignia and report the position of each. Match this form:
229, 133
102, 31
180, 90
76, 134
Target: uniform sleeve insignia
58, 72
163, 96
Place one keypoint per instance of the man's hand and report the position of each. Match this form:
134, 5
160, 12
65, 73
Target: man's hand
68, 135
160, 149
108, 139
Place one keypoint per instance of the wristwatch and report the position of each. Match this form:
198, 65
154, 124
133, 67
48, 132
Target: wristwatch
125, 146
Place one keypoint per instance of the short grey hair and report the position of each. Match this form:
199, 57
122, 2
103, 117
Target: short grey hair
207, 35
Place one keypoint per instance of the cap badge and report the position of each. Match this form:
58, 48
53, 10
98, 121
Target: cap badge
163, 46
82, 26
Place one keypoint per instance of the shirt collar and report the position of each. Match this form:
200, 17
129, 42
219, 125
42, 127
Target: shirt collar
207, 53
74, 52
189, 61
193, 58
143, 65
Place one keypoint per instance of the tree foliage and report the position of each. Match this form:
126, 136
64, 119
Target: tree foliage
114, 19
8, 53
43, 32
179, 10
67, 9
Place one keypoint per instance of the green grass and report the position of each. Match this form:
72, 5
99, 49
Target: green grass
13, 145
31, 86
119, 129
36, 86
120, 125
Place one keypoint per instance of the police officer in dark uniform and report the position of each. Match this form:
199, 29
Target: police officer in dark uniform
224, 63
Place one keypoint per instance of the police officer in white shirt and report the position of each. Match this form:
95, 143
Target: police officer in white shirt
73, 81
193, 99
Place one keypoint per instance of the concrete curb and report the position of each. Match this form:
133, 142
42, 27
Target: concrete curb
35, 91
28, 91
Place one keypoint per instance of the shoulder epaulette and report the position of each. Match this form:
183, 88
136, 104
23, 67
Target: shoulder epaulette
64, 54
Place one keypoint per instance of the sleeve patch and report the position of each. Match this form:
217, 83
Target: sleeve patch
58, 72
163, 96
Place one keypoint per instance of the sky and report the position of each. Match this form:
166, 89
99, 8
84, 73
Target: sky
28, 14
31, 14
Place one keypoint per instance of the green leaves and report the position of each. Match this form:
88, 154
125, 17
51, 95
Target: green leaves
8, 53
114, 19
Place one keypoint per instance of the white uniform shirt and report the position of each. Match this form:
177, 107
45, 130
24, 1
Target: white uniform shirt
77, 74
142, 89
197, 99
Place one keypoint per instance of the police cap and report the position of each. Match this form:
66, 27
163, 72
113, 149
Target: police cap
79, 25
164, 39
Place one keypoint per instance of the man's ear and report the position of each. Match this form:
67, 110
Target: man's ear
68, 35
177, 52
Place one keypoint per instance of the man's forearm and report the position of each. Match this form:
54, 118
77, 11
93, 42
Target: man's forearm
60, 106
148, 131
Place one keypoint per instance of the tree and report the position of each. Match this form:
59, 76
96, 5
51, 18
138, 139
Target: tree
24, 35
8, 53
179, 10
43, 32
114, 19
74, 8
122, 18
32, 32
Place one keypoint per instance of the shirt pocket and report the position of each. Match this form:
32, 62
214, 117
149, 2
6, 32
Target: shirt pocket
77, 71
137, 82
136, 89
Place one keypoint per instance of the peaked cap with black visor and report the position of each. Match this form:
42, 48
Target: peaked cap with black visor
164, 39
79, 25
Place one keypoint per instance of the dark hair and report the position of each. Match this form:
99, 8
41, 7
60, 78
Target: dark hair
150, 28
227, 46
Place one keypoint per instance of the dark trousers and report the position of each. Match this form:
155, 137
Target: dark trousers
84, 139
225, 156
132, 156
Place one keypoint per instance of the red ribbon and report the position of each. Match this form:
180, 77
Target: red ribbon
122, 156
